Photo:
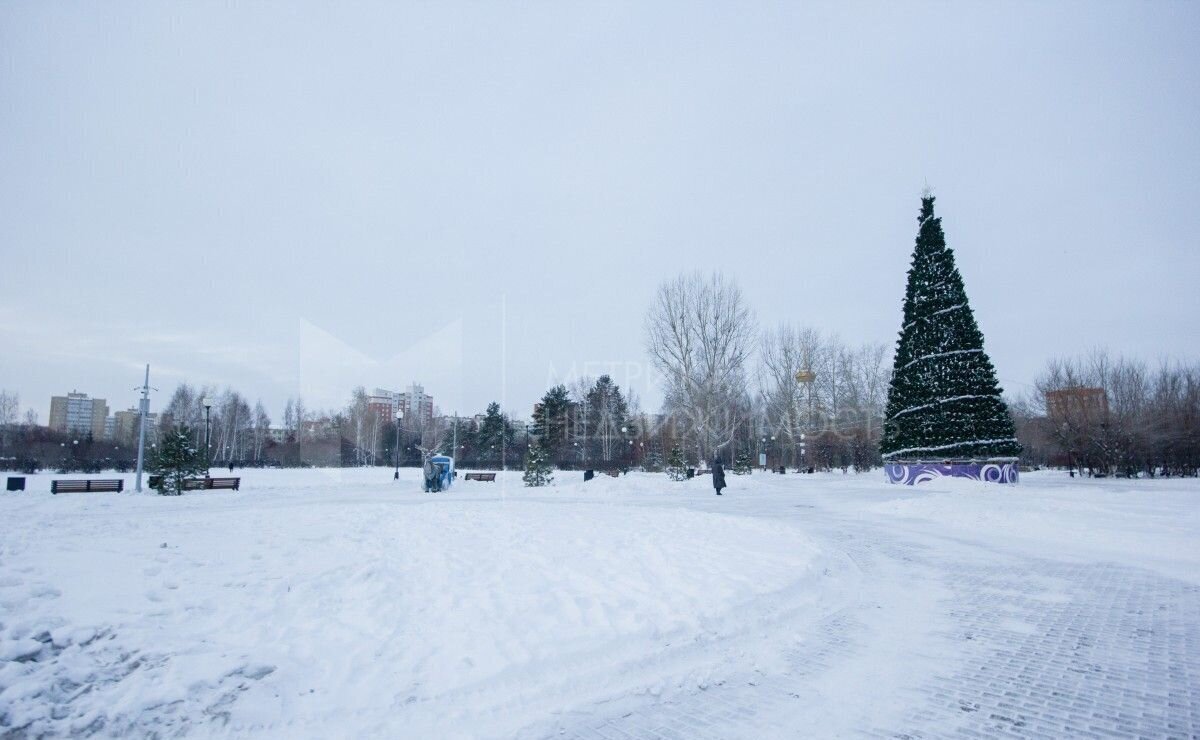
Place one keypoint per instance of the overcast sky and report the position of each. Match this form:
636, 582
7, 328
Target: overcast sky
300, 198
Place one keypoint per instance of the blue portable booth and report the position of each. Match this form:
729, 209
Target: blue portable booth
439, 473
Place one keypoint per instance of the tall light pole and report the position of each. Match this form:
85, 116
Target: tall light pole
396, 455
207, 453
806, 377
143, 411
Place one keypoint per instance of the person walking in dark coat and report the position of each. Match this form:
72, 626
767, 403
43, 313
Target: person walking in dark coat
718, 474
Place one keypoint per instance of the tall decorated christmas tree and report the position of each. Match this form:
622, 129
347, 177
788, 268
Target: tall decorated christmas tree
945, 415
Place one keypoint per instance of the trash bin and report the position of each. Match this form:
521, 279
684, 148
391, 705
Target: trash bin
16, 483
691, 472
589, 474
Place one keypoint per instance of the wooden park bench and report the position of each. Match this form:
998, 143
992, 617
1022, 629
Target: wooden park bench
703, 471
612, 473
87, 486
210, 484
481, 476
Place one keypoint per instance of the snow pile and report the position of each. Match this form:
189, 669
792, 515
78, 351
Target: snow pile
353, 608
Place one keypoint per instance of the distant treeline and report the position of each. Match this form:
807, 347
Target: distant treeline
1113, 415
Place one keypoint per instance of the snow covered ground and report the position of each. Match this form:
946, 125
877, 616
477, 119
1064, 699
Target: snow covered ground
319, 603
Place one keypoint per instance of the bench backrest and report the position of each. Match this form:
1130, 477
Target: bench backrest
481, 476
87, 486
208, 484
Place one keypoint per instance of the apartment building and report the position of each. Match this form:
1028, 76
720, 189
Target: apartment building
75, 413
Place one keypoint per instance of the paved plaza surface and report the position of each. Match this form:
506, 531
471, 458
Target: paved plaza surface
960, 634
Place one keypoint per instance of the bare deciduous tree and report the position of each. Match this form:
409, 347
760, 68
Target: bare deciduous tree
838, 412
783, 353
699, 333
262, 427
10, 406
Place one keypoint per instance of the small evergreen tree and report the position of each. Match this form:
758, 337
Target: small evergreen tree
538, 470
653, 462
676, 464
943, 402
176, 461
741, 463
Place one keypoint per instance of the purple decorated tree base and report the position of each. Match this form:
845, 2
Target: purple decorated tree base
991, 471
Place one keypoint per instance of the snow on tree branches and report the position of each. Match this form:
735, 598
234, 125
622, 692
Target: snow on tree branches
538, 470
176, 461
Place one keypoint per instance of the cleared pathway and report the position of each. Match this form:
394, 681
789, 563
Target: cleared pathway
946, 635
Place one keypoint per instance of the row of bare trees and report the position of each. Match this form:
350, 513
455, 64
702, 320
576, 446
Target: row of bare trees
822, 399
353, 435
236, 432
808, 398
1107, 414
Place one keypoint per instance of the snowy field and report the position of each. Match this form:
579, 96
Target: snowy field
338, 603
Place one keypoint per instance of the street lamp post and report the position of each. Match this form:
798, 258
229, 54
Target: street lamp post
396, 453
143, 409
807, 377
207, 452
